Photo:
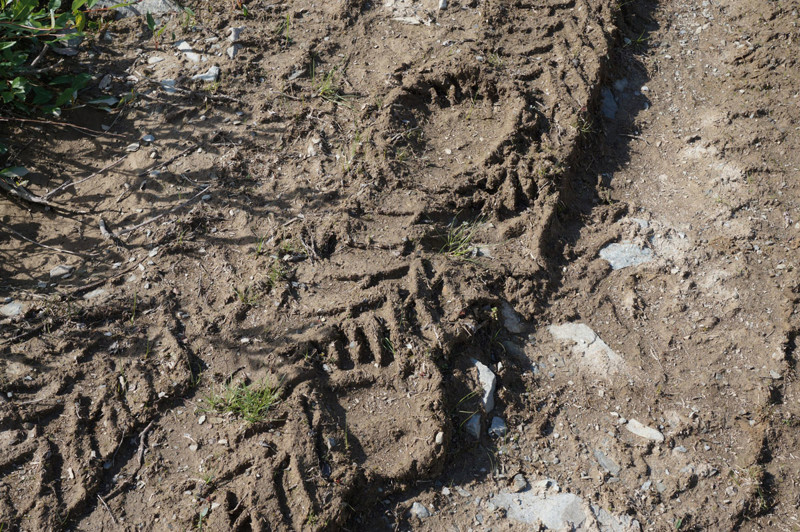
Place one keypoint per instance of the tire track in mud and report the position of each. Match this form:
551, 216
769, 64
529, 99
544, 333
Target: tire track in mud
370, 317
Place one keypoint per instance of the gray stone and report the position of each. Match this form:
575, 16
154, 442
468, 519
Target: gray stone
498, 428
419, 511
624, 254
9, 310
98, 292
595, 354
210, 75
142, 8
439, 438
607, 463
233, 50
511, 320
473, 426
62, 270
644, 431
187, 50
488, 381
519, 483
561, 511
608, 105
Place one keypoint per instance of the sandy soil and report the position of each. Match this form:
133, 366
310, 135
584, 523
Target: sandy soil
373, 208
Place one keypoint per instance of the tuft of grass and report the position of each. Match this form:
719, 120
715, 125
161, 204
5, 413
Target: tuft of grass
246, 295
459, 237
251, 402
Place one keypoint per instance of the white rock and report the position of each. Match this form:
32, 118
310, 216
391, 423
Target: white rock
560, 511
644, 431
154, 59
133, 147
625, 254
488, 381
419, 511
211, 75
234, 34
187, 50
148, 138
442, 4
595, 354
62, 270
233, 50
439, 438
95, 293
511, 320
9, 310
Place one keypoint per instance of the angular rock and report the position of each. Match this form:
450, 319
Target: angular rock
9, 310
62, 270
594, 352
644, 431
511, 320
560, 511
210, 75
141, 8
488, 381
498, 428
519, 483
624, 254
607, 463
187, 50
473, 426
419, 511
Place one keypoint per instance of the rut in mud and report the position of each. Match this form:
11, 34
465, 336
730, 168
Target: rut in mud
371, 198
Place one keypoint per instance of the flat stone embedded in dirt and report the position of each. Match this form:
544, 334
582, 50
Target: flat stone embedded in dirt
519, 483
141, 8
488, 381
188, 51
644, 431
607, 463
9, 310
560, 511
97, 292
62, 270
595, 354
624, 254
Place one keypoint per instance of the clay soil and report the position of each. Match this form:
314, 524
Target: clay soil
371, 197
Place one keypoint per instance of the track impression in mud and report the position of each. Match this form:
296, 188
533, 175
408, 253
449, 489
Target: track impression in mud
316, 260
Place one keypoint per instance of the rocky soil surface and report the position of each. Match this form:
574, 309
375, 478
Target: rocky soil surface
480, 265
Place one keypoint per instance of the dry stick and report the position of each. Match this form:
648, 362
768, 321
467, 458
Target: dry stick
113, 519
142, 437
59, 124
51, 248
159, 216
25, 195
40, 56
73, 182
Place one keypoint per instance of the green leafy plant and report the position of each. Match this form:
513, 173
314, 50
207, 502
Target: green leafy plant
154, 29
27, 29
249, 401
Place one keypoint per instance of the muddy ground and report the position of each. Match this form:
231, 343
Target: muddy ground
371, 206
